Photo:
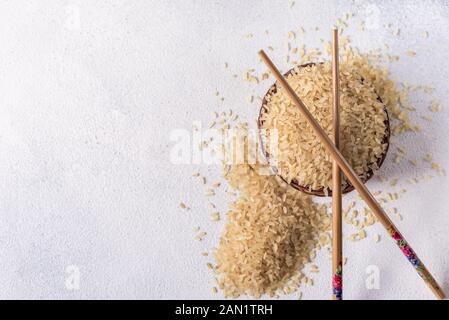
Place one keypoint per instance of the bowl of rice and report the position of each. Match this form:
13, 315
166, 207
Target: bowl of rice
296, 153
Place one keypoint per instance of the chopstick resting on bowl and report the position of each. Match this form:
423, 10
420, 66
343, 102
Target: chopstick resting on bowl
356, 182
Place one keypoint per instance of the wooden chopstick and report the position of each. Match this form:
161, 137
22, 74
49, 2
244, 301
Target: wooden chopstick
337, 265
356, 182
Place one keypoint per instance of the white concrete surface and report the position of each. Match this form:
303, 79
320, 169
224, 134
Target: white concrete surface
89, 93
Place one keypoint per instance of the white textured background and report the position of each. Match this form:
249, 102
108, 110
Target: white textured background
89, 93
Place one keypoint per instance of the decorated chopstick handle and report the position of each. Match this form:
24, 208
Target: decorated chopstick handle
337, 283
415, 261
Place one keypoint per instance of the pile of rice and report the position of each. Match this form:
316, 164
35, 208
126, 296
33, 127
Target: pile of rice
363, 119
271, 232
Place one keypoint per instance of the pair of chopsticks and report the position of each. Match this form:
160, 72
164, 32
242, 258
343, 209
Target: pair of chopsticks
340, 162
